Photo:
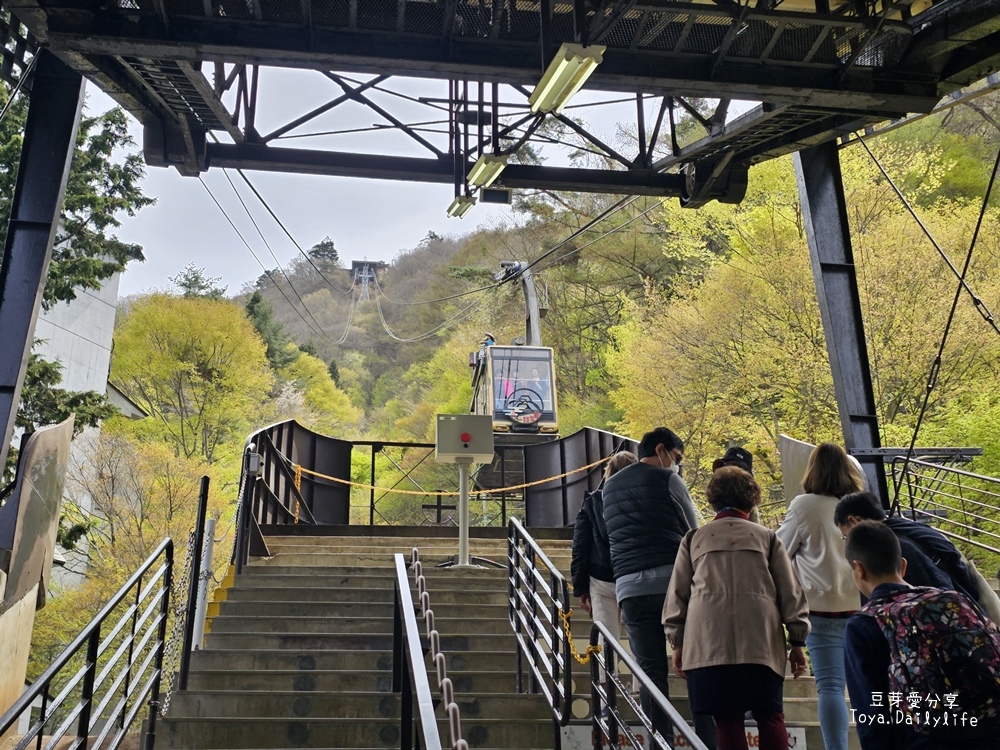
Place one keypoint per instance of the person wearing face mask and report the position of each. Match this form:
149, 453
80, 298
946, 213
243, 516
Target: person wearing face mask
648, 510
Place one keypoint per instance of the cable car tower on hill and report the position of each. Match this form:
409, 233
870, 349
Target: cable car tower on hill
363, 272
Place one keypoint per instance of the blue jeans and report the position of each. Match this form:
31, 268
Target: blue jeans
642, 616
826, 650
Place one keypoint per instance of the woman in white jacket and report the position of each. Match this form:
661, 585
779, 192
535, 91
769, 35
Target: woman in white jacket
816, 548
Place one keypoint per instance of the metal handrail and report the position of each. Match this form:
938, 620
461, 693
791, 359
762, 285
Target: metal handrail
536, 600
143, 595
928, 487
612, 727
409, 674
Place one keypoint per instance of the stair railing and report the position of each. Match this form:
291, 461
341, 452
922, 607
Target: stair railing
611, 730
445, 686
409, 673
538, 596
111, 671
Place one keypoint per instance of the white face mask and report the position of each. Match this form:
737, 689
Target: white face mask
671, 467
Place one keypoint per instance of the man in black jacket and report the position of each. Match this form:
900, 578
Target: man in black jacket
648, 510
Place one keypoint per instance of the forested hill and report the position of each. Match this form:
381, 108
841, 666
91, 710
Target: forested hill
705, 321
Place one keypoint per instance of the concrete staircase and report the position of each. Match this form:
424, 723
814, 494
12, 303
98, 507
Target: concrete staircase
299, 652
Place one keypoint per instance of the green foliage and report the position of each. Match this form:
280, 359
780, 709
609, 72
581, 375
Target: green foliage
104, 184
325, 253
193, 282
196, 365
326, 408
261, 315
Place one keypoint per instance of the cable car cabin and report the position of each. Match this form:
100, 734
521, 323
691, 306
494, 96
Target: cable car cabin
516, 386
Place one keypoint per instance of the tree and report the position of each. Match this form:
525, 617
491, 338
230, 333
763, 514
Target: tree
104, 183
196, 365
261, 315
325, 253
193, 282
325, 407
44, 403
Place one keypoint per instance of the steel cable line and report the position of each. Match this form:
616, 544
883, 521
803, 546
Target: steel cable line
601, 237
17, 87
298, 247
440, 299
288, 234
350, 317
275, 258
936, 365
977, 302
259, 263
457, 317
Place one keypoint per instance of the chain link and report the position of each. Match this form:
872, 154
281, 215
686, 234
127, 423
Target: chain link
175, 639
585, 658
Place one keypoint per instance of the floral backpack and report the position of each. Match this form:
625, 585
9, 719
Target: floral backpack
945, 661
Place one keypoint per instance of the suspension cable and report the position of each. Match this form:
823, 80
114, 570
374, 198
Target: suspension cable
298, 247
17, 86
441, 299
457, 317
936, 365
259, 263
275, 257
981, 307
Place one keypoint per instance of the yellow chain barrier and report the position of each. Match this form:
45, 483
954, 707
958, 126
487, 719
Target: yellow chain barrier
585, 659
297, 481
299, 470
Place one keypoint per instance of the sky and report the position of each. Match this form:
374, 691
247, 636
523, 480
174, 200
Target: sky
364, 217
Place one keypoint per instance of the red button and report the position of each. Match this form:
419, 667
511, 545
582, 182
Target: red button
465, 437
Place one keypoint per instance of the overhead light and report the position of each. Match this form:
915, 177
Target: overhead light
486, 170
460, 206
566, 74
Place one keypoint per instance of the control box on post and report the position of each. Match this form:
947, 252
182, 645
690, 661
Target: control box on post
464, 438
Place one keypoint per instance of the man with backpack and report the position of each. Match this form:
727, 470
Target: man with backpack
923, 664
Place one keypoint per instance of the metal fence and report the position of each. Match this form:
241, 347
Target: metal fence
538, 596
961, 504
111, 672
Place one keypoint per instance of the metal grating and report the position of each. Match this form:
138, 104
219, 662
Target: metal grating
171, 85
336, 13
524, 25
663, 31
424, 18
473, 19
753, 39
17, 47
377, 15
707, 34
281, 11
186, 8
762, 132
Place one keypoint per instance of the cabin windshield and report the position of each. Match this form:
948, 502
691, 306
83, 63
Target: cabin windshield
522, 382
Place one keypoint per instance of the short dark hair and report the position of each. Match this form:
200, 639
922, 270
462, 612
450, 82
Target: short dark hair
647, 446
864, 505
874, 545
733, 487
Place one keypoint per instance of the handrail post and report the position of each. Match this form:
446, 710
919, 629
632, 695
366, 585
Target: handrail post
131, 650
87, 690
397, 641
161, 636
192, 601
371, 496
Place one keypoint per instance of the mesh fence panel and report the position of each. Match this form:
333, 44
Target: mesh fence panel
663, 31
707, 34
331, 13
377, 15
424, 18
282, 11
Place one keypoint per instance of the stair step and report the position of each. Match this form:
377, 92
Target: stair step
452, 625
293, 705
309, 659
315, 594
373, 681
435, 580
239, 732
266, 608
351, 642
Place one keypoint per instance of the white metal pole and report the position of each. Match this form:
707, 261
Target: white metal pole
463, 512
201, 610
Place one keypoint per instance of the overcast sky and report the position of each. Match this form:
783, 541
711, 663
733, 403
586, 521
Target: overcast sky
373, 218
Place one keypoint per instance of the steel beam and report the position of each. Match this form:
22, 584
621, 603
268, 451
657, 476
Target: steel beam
49, 137
824, 211
380, 167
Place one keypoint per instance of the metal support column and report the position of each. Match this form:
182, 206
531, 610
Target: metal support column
49, 138
824, 211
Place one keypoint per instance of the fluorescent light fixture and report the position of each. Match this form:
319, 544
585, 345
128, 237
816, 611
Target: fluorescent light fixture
460, 206
486, 170
566, 74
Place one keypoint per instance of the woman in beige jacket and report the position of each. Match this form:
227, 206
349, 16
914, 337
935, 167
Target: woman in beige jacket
733, 590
